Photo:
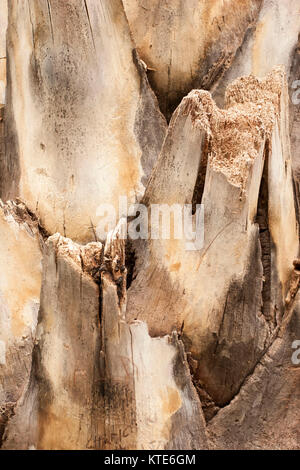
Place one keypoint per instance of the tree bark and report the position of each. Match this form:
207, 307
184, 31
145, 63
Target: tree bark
115, 343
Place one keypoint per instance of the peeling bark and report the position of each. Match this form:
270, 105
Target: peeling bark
160, 395
60, 407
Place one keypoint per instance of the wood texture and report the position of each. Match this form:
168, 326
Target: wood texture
3, 26
20, 284
227, 298
96, 381
190, 44
157, 343
95, 128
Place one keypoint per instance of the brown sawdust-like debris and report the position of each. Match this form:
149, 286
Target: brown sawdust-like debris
238, 132
87, 257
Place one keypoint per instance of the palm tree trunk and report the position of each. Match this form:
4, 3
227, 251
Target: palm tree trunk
124, 342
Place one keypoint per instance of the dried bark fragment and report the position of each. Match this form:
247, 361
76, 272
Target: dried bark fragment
20, 283
149, 403
85, 144
60, 408
101, 386
216, 293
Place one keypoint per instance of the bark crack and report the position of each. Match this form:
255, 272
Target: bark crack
200, 182
213, 240
50, 19
31, 22
262, 219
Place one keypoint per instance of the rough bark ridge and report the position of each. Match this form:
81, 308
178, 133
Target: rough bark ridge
149, 344
108, 116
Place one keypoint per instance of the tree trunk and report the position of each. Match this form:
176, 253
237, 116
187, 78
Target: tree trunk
155, 342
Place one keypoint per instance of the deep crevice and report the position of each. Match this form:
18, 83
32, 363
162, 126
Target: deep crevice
130, 261
200, 181
262, 219
100, 303
209, 407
